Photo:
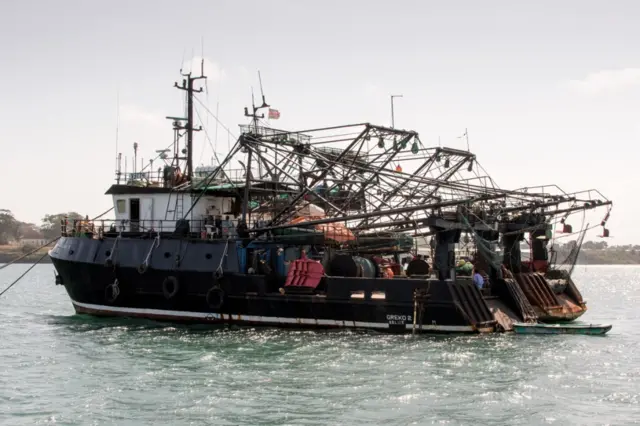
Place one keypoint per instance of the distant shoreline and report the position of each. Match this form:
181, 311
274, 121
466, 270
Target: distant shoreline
33, 258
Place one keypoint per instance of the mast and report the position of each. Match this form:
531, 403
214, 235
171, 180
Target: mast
187, 85
254, 117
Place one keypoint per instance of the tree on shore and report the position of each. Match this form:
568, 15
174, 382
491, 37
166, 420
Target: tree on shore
50, 227
9, 227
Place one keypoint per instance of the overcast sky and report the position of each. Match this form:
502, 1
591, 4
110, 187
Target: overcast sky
550, 91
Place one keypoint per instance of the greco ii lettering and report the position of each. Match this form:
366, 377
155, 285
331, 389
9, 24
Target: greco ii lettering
395, 319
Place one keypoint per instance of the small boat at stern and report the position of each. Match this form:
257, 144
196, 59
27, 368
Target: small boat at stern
587, 329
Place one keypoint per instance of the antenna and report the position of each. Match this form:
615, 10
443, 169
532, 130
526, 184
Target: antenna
119, 167
202, 55
215, 143
392, 115
117, 133
466, 135
135, 155
254, 114
264, 102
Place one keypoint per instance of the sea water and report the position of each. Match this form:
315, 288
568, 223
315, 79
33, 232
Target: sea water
57, 367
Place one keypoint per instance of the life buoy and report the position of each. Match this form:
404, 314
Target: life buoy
170, 287
215, 297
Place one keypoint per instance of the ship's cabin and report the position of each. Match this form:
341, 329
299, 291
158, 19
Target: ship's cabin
147, 203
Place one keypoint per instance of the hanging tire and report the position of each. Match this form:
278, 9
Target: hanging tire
170, 287
215, 297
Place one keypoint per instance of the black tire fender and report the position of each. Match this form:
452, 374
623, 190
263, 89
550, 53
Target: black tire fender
215, 297
170, 287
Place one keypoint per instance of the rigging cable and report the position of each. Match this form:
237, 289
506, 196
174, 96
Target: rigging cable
30, 253
23, 274
43, 256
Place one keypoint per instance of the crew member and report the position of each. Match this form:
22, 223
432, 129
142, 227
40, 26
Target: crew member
478, 280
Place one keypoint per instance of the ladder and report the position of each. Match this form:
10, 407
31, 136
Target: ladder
179, 206
175, 209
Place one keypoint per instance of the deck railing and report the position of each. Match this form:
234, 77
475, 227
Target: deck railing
209, 229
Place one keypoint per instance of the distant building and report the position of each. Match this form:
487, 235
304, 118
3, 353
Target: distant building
33, 242
31, 237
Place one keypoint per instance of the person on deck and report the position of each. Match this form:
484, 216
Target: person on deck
478, 280
405, 263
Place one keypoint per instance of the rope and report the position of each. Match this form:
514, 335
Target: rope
100, 215
224, 253
39, 260
25, 273
30, 253
46, 244
155, 244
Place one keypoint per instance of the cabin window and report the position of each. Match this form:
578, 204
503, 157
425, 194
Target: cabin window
121, 206
378, 295
357, 294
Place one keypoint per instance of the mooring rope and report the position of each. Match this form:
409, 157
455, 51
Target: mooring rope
39, 260
23, 274
30, 253
48, 243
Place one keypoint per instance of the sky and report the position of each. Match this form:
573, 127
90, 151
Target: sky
549, 91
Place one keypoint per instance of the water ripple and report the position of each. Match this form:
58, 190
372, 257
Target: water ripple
61, 368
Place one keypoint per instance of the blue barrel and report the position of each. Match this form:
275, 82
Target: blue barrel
344, 265
368, 266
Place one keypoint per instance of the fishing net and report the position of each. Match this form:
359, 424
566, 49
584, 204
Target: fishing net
484, 247
569, 263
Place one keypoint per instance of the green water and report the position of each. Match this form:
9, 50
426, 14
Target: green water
61, 368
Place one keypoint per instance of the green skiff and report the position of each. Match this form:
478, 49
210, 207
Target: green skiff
586, 329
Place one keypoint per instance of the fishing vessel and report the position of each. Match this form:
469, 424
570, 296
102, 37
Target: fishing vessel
319, 228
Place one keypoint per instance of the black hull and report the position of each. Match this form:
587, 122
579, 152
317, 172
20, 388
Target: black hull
254, 300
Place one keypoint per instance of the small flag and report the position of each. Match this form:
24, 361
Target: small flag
274, 114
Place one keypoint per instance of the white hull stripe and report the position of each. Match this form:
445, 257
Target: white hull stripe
209, 316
